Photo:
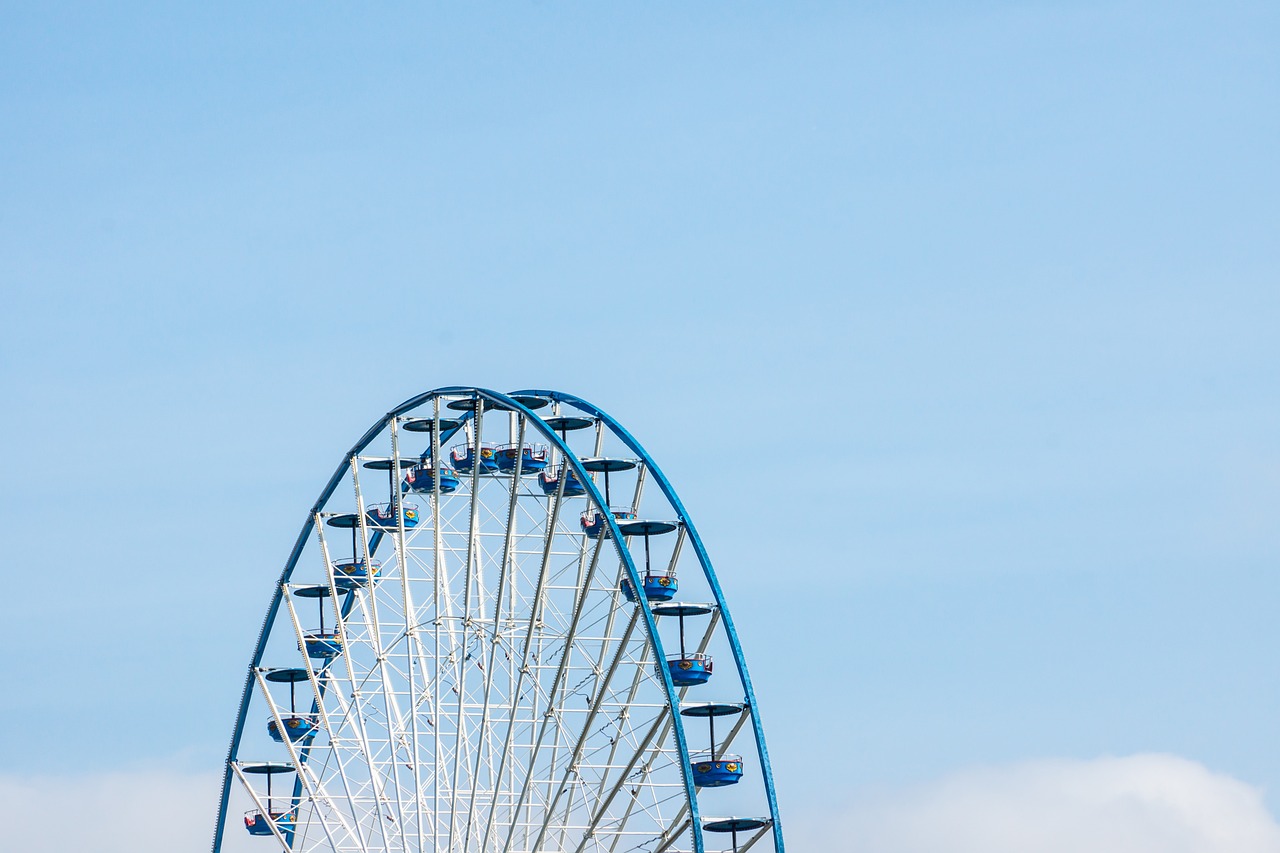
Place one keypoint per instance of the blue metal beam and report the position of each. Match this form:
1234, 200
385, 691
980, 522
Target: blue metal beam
650, 624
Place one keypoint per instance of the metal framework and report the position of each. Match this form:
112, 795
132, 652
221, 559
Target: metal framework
491, 689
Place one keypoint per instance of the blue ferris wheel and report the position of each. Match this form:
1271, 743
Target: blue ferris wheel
498, 632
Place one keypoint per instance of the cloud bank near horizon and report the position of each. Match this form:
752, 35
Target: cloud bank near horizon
1134, 804
136, 811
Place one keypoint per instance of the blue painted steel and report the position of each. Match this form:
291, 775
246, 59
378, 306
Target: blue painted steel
276, 597
550, 483
257, 823
534, 461
657, 587
735, 824
355, 570
286, 675
326, 645
593, 521
421, 479
462, 459
651, 627
725, 770
730, 631
577, 473
296, 727
384, 516
578, 483
689, 670
347, 604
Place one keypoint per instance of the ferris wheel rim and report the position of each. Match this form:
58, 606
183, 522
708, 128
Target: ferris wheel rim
486, 400
704, 560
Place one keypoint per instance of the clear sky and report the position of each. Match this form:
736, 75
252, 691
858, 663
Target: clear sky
955, 325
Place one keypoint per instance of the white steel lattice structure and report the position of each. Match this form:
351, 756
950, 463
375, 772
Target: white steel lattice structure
466, 652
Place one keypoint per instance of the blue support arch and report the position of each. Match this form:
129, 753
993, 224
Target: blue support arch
515, 402
705, 561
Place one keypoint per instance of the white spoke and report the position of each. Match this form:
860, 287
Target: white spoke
489, 687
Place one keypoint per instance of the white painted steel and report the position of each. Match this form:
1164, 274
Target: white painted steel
493, 694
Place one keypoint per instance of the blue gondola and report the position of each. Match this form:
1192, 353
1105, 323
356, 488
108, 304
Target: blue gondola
296, 726
605, 465
322, 645
689, 669
710, 768
593, 522
258, 824
463, 458
259, 821
550, 484
348, 571
533, 458
717, 771
421, 478
384, 515
657, 587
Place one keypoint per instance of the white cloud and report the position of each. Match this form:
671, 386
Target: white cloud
1138, 804
126, 812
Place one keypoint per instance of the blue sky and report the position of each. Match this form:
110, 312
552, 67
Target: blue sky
955, 327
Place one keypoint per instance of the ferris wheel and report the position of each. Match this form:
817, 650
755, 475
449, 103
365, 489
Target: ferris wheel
498, 632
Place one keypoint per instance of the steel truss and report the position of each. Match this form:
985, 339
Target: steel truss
495, 692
